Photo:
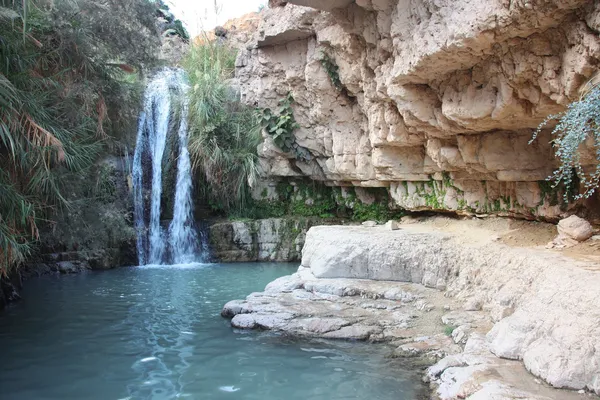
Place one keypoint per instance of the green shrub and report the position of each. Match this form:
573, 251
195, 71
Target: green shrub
374, 212
64, 96
223, 133
314, 199
377, 211
105, 188
580, 122
332, 70
281, 127
448, 330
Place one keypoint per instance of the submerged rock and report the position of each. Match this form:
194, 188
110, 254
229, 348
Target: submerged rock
72, 267
350, 309
9, 288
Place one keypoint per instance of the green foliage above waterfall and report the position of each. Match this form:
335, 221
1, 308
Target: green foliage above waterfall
224, 134
65, 94
172, 26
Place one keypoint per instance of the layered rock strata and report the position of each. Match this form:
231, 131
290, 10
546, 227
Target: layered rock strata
509, 307
274, 239
435, 100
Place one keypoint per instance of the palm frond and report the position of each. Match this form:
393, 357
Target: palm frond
62, 95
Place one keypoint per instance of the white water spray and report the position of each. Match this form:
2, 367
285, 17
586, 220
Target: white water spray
155, 124
182, 235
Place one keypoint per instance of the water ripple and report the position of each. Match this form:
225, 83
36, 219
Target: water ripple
154, 332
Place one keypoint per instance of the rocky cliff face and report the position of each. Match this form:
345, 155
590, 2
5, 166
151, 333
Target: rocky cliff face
237, 31
96, 231
436, 101
275, 239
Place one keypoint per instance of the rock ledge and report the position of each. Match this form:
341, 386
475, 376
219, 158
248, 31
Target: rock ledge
430, 293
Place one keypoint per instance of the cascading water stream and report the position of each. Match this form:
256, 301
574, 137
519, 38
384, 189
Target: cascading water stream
182, 235
157, 121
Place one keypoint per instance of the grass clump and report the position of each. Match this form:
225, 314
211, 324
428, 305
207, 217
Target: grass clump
448, 330
224, 133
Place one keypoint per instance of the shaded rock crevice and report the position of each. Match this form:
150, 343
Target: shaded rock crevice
273, 239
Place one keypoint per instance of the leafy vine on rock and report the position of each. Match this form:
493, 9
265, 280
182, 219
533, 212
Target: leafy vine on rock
332, 70
579, 124
281, 128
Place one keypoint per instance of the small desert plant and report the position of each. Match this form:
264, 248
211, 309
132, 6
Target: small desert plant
580, 122
281, 127
448, 330
332, 70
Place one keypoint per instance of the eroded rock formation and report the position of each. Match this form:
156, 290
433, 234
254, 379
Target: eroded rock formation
274, 239
236, 31
438, 99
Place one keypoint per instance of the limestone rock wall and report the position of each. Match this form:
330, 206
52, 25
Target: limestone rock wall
438, 99
275, 239
236, 31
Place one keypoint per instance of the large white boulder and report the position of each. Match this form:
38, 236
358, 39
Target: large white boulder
377, 253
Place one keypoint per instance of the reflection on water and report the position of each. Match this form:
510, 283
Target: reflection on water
155, 332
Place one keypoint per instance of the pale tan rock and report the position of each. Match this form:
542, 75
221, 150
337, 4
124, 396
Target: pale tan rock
575, 228
302, 305
542, 315
374, 289
446, 92
392, 225
473, 304
239, 31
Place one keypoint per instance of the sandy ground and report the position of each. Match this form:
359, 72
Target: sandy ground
514, 233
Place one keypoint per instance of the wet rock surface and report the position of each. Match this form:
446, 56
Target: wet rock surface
273, 239
9, 288
382, 311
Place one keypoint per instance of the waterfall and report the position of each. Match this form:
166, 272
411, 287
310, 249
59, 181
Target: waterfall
157, 121
138, 192
182, 235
